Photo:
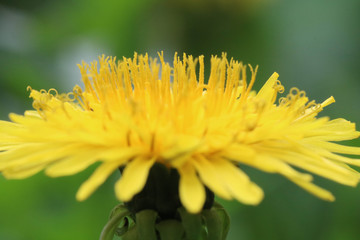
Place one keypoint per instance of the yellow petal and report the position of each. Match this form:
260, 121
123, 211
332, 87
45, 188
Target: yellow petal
239, 152
25, 120
71, 165
29, 154
85, 157
333, 147
191, 190
321, 167
267, 91
96, 179
336, 157
272, 165
21, 172
315, 190
238, 183
209, 176
335, 130
6, 127
134, 178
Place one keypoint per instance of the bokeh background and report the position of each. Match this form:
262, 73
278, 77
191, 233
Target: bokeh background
313, 45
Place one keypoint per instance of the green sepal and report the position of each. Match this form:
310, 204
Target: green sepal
171, 230
217, 222
192, 224
116, 218
145, 224
131, 234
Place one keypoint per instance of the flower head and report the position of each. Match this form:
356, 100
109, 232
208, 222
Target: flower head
128, 116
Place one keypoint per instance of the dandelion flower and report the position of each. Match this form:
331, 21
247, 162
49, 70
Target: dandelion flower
135, 113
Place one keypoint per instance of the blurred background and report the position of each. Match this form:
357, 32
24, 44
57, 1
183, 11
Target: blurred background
313, 45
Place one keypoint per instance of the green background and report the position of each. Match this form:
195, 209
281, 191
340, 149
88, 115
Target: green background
313, 45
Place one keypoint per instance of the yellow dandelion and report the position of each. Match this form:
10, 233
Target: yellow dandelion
135, 113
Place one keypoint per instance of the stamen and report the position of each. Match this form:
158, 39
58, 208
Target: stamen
252, 81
